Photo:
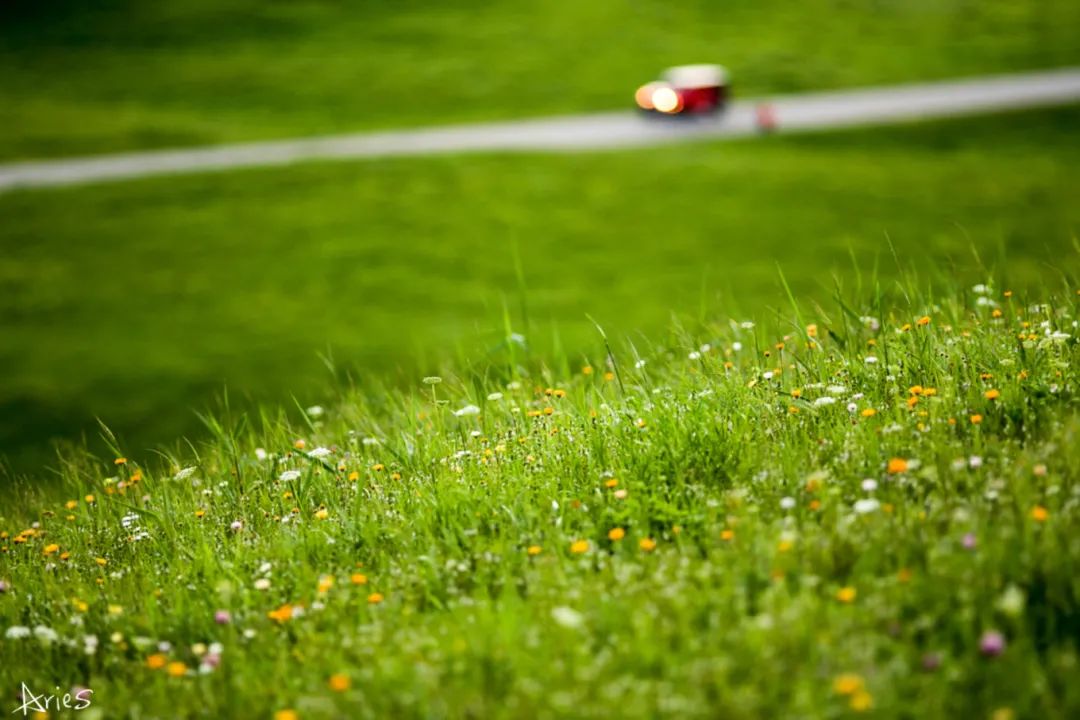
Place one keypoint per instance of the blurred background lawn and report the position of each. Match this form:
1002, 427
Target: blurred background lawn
140, 301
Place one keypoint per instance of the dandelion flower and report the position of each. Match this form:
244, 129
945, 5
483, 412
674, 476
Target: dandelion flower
579, 546
976, 419
1039, 513
647, 544
846, 594
727, 535
358, 579
847, 684
156, 661
861, 701
992, 394
897, 465
51, 549
339, 682
534, 550
375, 598
286, 715
616, 534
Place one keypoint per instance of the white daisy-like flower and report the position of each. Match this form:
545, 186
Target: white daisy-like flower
289, 475
320, 452
694, 355
736, 346
17, 632
824, 400
567, 617
467, 410
746, 325
866, 505
262, 584
45, 634
870, 360
495, 396
315, 411
975, 462
260, 454
787, 503
869, 485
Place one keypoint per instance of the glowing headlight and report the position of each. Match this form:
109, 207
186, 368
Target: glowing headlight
643, 97
665, 100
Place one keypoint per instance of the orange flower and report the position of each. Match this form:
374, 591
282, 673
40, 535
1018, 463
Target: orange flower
120, 461
613, 482
286, 715
616, 534
869, 412
579, 546
339, 682
51, 549
358, 579
727, 535
176, 669
282, 614
1039, 513
897, 465
354, 476
992, 394
846, 594
375, 598
647, 544
156, 661
923, 321
976, 419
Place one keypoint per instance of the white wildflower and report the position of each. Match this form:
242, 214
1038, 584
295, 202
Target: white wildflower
319, 452
824, 400
184, 474
315, 411
17, 632
467, 410
866, 505
289, 475
567, 617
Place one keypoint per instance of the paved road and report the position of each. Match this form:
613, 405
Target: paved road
810, 111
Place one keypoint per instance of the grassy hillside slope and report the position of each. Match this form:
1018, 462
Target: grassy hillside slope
139, 302
827, 513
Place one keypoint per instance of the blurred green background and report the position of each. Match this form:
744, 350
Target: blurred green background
138, 302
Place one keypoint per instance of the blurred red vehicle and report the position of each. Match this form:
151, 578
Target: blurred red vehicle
686, 89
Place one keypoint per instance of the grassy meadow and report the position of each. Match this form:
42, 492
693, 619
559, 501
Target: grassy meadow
779, 427
139, 303
861, 510
115, 75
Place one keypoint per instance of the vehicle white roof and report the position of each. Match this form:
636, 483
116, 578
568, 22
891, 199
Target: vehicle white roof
691, 76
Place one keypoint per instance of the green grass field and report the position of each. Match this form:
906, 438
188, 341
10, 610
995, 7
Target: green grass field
122, 74
140, 302
865, 509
